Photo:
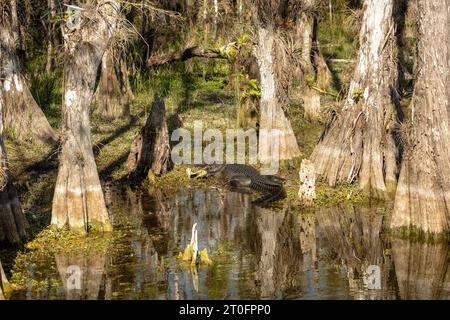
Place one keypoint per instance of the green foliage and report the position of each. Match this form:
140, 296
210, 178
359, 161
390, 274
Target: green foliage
310, 80
342, 193
337, 39
47, 89
233, 50
228, 52
357, 93
251, 88
243, 40
180, 86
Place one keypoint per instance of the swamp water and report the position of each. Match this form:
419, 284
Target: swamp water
340, 252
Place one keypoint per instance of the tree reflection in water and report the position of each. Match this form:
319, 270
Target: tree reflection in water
354, 234
81, 275
422, 269
257, 253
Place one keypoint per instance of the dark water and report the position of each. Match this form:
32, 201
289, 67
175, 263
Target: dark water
334, 253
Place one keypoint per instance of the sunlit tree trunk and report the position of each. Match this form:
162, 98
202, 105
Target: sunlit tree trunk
113, 95
313, 70
359, 142
150, 150
271, 57
49, 68
16, 26
22, 116
215, 18
4, 284
13, 223
421, 269
78, 199
423, 193
205, 21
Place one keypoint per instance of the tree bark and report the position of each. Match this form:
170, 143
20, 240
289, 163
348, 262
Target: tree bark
423, 193
359, 142
13, 223
50, 66
4, 284
272, 63
23, 118
78, 199
113, 95
307, 177
312, 63
17, 28
151, 149
215, 19
248, 106
205, 21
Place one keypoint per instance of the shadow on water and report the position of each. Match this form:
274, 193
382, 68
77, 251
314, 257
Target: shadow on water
341, 252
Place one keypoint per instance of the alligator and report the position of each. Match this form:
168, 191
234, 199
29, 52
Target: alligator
244, 178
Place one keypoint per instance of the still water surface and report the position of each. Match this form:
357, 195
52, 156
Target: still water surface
339, 252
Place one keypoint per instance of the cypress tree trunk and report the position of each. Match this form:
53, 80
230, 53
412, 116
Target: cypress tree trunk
248, 106
50, 66
13, 224
22, 116
205, 21
4, 284
113, 95
151, 149
359, 141
423, 193
271, 56
78, 199
312, 64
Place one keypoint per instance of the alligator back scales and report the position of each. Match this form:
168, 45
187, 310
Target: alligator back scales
270, 186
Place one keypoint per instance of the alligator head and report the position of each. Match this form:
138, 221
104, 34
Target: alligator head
206, 171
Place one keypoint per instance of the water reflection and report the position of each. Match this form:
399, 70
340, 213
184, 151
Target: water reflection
258, 253
422, 270
354, 234
81, 275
